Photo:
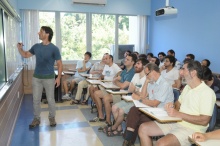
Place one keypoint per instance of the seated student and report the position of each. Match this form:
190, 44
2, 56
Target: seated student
122, 107
170, 73
109, 72
155, 60
142, 56
122, 81
82, 67
190, 56
122, 66
211, 80
159, 92
136, 53
96, 71
177, 64
149, 56
206, 136
205, 62
161, 56
195, 107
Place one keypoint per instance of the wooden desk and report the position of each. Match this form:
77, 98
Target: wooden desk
127, 98
161, 119
84, 74
93, 78
120, 92
94, 82
58, 90
73, 70
109, 85
69, 72
205, 143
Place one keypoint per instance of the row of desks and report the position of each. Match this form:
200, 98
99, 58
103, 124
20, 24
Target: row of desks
163, 119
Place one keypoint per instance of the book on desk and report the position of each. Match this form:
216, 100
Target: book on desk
159, 114
127, 98
120, 92
94, 82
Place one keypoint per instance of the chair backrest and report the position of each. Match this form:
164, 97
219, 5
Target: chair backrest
176, 94
212, 121
88, 71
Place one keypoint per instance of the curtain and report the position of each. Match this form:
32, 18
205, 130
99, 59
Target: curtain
142, 34
30, 29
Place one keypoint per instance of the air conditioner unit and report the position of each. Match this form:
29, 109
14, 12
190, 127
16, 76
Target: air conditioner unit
91, 2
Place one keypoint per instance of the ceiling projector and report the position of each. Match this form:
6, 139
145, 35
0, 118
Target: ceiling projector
166, 11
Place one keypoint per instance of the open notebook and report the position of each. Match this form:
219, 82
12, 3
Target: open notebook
127, 98
159, 112
139, 104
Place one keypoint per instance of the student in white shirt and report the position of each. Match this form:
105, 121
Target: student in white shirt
110, 70
82, 67
170, 73
177, 64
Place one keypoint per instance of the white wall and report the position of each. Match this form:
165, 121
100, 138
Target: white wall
141, 7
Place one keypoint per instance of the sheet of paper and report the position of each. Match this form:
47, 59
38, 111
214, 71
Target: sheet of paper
159, 112
139, 104
127, 98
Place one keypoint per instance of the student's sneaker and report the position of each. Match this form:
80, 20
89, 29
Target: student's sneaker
34, 123
66, 97
52, 122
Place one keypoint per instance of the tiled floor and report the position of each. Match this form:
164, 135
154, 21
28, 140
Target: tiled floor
73, 128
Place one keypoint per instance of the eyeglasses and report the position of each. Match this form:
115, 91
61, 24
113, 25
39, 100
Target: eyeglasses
148, 73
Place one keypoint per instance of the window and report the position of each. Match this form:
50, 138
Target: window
73, 35
97, 33
103, 34
127, 34
2, 55
48, 19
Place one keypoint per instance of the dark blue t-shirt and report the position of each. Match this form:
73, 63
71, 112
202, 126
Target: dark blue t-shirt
127, 75
46, 55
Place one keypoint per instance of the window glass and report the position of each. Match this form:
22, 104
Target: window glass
48, 19
127, 34
73, 35
103, 34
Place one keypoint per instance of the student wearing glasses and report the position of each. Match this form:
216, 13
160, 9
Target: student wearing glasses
158, 92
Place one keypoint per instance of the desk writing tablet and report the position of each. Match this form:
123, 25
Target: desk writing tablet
84, 74
56, 72
127, 98
139, 104
69, 72
73, 70
109, 85
205, 143
120, 92
94, 82
162, 119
